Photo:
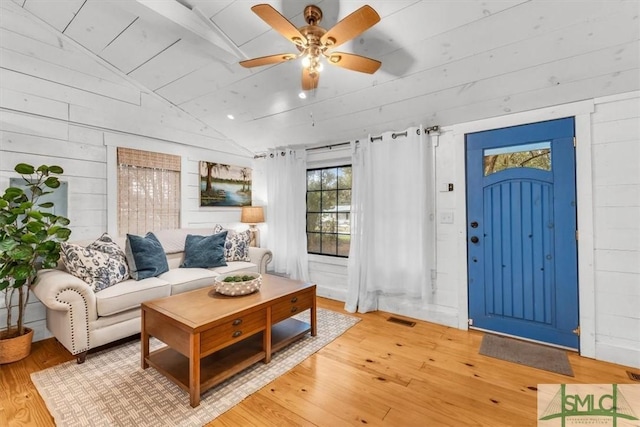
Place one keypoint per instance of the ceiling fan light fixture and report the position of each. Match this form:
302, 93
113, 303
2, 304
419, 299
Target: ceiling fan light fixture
306, 61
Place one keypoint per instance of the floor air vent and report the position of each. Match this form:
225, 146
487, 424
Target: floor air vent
634, 375
401, 321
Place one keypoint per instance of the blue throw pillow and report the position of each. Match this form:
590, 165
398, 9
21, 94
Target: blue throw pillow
145, 256
204, 251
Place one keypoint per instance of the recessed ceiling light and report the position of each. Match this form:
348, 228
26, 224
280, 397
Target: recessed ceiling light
230, 116
302, 95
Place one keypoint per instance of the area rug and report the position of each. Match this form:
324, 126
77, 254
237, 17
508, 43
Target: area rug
111, 389
526, 353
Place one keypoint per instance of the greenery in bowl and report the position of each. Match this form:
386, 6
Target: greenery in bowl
244, 278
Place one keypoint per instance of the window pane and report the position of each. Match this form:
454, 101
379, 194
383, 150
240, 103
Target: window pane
329, 244
313, 242
329, 223
329, 201
344, 200
344, 243
313, 222
536, 156
344, 225
313, 180
313, 201
329, 178
344, 177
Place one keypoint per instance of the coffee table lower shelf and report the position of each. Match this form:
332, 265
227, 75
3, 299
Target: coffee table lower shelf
217, 367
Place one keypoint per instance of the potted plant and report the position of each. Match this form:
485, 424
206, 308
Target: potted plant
30, 237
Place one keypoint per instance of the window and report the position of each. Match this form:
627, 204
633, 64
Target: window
536, 156
329, 211
148, 191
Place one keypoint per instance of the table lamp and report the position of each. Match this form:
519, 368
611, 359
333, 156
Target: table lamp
253, 215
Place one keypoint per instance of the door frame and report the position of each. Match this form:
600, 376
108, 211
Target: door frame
586, 275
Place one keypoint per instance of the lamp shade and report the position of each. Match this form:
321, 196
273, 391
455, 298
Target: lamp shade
252, 214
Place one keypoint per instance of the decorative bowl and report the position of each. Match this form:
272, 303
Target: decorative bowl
224, 285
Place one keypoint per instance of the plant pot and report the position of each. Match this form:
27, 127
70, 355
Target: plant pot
14, 349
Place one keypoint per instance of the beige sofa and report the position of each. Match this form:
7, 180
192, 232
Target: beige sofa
82, 319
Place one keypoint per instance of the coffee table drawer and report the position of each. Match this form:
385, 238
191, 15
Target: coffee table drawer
232, 331
291, 306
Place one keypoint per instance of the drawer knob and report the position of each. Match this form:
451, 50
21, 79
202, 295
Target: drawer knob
294, 309
236, 334
294, 300
237, 322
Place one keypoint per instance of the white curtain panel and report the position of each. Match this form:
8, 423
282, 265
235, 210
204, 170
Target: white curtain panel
286, 212
391, 219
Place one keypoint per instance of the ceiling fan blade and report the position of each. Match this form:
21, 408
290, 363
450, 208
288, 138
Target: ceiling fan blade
354, 62
309, 81
279, 23
351, 26
266, 60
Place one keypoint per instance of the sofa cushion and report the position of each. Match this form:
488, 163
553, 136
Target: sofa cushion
130, 294
236, 246
236, 266
101, 264
204, 251
188, 279
145, 256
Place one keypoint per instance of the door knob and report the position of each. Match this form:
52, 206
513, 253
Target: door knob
474, 239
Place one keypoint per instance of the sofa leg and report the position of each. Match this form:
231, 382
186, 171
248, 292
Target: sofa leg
81, 357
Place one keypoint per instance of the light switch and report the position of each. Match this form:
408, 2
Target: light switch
446, 217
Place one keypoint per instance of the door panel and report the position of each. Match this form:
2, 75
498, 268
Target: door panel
522, 253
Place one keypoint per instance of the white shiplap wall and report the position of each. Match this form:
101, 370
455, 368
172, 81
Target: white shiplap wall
615, 129
608, 175
61, 105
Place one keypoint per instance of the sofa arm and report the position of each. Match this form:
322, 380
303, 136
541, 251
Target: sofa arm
71, 306
261, 257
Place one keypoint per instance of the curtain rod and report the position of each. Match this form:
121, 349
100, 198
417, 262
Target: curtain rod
394, 135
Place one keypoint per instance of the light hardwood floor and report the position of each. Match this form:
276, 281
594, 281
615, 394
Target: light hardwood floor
377, 373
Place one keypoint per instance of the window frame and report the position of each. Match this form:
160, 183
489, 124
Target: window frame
322, 233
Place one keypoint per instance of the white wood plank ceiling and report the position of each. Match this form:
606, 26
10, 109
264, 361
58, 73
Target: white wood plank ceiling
443, 61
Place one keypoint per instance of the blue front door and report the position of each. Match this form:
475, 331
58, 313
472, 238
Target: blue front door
521, 231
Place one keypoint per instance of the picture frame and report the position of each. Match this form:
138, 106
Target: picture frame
223, 185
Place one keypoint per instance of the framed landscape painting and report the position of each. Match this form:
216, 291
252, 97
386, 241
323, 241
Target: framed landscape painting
224, 185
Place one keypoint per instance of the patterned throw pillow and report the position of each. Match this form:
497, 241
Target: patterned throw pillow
236, 246
101, 264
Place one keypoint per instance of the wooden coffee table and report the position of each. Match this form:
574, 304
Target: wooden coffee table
211, 337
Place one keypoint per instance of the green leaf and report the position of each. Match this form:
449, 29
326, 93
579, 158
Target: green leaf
12, 192
29, 239
35, 215
3, 203
35, 226
22, 272
63, 221
44, 169
63, 233
24, 169
46, 205
56, 169
51, 247
7, 244
4, 285
21, 252
52, 182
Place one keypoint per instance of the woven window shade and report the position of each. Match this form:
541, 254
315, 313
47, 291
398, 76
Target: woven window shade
148, 191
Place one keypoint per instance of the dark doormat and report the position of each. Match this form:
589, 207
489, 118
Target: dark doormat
526, 353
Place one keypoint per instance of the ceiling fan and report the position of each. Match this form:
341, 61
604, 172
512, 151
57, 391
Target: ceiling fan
314, 42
